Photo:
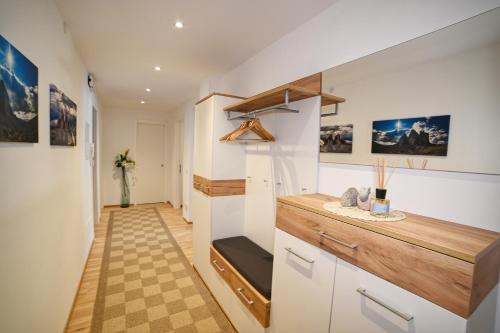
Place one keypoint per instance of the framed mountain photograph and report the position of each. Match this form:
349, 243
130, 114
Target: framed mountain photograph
411, 136
62, 118
336, 139
18, 95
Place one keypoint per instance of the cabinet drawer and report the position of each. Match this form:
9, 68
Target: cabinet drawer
257, 304
363, 302
303, 277
439, 278
220, 266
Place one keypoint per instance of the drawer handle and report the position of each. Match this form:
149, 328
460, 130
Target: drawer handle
327, 236
405, 316
310, 261
218, 267
249, 301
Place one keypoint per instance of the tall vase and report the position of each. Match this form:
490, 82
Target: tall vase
125, 197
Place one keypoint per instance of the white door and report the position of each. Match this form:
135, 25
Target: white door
150, 168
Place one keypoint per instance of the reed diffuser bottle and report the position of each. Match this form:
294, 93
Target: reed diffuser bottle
380, 205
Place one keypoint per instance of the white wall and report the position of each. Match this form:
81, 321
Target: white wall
118, 134
187, 109
46, 225
349, 30
176, 167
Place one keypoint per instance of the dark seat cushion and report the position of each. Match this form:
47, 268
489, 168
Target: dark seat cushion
253, 262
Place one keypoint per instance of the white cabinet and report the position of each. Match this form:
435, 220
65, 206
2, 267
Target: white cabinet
363, 302
201, 231
203, 137
303, 277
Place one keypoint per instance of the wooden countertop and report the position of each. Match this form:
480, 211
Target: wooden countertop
453, 239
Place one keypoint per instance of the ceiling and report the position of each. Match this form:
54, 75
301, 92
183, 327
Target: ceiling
121, 41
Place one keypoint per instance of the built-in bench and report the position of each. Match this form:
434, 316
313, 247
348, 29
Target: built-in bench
248, 269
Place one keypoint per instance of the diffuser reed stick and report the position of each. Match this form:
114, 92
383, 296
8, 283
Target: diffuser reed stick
424, 164
382, 181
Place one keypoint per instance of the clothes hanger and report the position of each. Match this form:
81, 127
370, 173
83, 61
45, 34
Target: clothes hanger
243, 125
257, 128
253, 125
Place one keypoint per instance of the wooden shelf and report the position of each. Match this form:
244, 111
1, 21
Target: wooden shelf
327, 99
276, 96
270, 98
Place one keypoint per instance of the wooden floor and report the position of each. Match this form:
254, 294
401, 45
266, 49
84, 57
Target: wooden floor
81, 316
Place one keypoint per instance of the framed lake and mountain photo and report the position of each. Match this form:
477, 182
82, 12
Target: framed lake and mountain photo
411, 136
18, 95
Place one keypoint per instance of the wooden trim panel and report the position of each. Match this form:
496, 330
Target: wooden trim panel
485, 278
450, 282
217, 94
220, 187
260, 307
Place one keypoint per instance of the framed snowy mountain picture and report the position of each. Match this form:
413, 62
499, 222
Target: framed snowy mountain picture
18, 95
411, 136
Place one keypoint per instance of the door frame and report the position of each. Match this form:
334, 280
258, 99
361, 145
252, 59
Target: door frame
133, 189
95, 156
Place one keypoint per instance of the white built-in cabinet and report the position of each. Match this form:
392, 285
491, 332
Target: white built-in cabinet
363, 302
303, 277
316, 292
216, 217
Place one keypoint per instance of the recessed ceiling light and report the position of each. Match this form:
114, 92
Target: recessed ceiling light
148, 90
179, 24
157, 68
142, 102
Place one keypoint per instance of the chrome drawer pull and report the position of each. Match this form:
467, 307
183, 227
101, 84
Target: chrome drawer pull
310, 261
218, 267
324, 234
240, 291
405, 316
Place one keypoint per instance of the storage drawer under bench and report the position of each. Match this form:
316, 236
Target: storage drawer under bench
254, 301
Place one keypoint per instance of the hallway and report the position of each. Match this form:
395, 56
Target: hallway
143, 292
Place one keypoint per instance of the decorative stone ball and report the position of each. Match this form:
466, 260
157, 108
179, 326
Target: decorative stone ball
349, 198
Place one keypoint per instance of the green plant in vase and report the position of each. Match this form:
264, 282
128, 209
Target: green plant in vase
123, 162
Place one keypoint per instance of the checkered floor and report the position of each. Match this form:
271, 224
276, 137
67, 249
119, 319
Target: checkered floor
147, 285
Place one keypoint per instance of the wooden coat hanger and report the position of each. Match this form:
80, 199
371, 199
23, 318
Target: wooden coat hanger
253, 125
242, 126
